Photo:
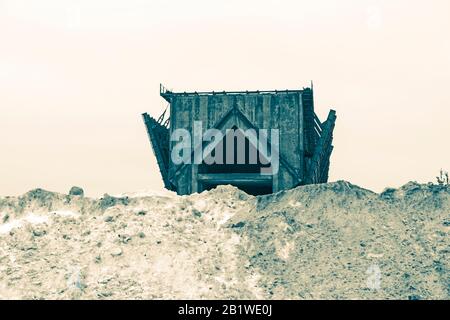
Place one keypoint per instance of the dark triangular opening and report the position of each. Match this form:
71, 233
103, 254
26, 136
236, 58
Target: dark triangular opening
243, 170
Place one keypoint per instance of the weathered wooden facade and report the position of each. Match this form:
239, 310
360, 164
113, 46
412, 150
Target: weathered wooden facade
305, 142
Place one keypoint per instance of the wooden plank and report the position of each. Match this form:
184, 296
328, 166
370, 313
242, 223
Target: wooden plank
259, 113
289, 131
159, 139
235, 178
171, 93
318, 170
266, 113
301, 136
310, 135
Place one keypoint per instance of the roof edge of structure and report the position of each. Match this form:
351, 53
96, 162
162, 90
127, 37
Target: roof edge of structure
166, 93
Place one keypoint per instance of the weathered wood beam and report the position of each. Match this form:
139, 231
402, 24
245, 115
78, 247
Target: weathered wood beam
159, 140
318, 171
235, 178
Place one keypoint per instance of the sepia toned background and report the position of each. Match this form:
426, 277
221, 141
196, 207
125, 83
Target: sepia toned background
76, 75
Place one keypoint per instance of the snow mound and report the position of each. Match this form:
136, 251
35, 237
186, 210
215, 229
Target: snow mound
328, 241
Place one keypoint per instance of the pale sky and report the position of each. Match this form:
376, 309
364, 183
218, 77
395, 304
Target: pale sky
75, 77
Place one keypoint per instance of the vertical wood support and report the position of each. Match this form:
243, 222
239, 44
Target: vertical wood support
301, 138
194, 181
